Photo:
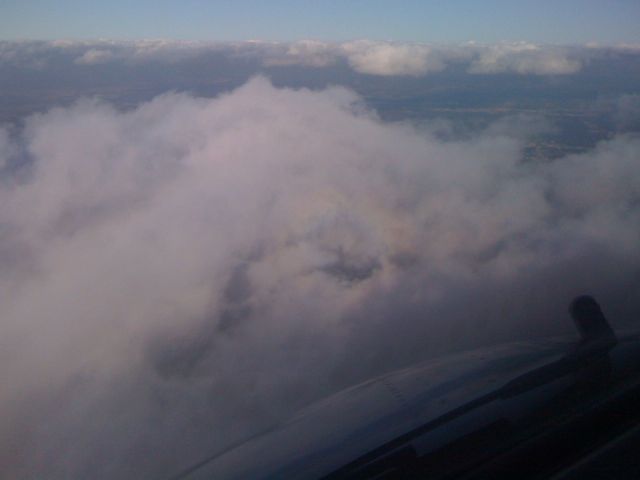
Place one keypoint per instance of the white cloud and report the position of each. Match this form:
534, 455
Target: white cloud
363, 56
524, 58
393, 58
168, 50
308, 53
94, 56
381, 58
179, 275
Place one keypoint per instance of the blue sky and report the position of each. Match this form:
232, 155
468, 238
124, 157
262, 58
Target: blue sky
558, 21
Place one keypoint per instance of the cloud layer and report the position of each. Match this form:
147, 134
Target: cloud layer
363, 56
180, 275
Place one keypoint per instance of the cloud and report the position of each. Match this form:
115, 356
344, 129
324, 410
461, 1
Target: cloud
308, 53
94, 56
524, 58
177, 276
170, 51
363, 56
415, 59
382, 58
39, 54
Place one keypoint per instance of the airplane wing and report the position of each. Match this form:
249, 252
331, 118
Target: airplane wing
522, 410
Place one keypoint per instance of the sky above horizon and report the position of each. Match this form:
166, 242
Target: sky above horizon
560, 21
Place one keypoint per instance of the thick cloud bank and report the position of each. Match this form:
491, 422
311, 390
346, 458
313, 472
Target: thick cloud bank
178, 276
